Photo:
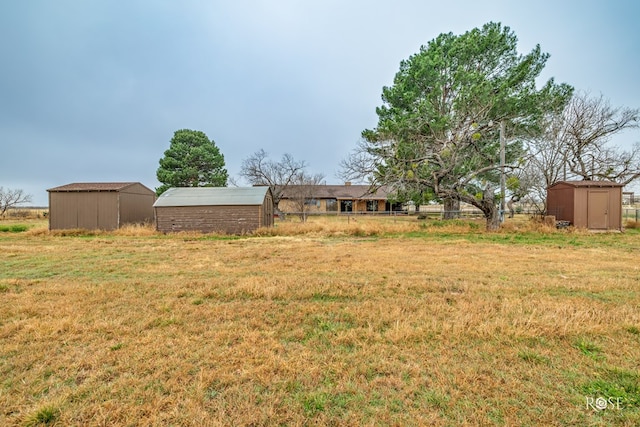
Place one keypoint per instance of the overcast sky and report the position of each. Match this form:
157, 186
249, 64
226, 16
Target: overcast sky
92, 91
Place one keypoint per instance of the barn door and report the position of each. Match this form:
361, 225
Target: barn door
598, 210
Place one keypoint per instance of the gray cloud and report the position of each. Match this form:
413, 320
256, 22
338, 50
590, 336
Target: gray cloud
93, 91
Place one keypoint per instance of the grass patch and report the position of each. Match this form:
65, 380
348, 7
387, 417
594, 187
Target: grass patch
533, 357
589, 348
14, 228
45, 416
622, 385
377, 321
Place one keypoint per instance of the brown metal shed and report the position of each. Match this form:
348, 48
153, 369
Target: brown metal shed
596, 205
232, 210
104, 206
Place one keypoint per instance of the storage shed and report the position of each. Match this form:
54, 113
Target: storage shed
104, 206
596, 205
232, 210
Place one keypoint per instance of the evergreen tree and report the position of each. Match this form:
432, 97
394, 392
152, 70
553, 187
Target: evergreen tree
192, 160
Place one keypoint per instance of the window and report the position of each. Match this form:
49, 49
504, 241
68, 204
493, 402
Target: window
372, 205
332, 205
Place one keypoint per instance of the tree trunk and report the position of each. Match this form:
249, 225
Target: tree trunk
451, 208
512, 210
492, 215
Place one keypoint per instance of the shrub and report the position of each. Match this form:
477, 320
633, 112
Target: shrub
632, 224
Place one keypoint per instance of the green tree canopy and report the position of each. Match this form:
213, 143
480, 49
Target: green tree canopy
439, 125
192, 160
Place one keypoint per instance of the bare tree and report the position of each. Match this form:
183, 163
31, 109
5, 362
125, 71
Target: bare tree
11, 198
574, 145
300, 192
258, 169
546, 162
589, 125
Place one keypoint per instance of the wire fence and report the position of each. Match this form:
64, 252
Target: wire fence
629, 214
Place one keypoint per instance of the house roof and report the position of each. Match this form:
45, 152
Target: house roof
587, 184
340, 192
93, 186
212, 196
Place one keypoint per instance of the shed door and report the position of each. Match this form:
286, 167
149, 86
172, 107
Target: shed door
598, 210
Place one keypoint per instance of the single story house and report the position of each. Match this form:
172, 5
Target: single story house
101, 205
596, 205
334, 199
231, 210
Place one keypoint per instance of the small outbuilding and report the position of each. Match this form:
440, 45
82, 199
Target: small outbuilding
596, 205
99, 206
231, 210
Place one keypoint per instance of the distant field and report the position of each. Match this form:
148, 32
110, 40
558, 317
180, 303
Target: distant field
377, 321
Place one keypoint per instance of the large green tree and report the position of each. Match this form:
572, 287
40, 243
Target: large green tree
192, 160
438, 132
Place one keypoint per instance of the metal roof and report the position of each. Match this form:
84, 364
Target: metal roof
93, 186
588, 184
212, 196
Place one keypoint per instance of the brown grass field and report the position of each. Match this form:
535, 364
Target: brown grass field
373, 322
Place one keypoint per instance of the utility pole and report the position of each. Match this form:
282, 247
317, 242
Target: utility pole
502, 177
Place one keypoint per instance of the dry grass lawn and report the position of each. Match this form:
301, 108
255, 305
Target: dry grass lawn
377, 321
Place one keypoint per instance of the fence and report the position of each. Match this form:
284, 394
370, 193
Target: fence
631, 214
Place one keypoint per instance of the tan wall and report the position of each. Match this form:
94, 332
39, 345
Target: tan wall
358, 206
580, 211
615, 209
86, 210
590, 217
63, 211
292, 206
208, 219
104, 210
573, 204
136, 204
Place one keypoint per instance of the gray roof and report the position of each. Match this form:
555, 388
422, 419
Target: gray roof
212, 196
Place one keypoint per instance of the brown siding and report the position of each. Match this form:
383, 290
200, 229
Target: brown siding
208, 219
136, 205
107, 207
587, 205
105, 210
267, 211
63, 211
580, 215
615, 209
560, 202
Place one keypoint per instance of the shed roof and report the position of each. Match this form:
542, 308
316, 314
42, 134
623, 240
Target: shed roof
212, 196
93, 186
348, 192
588, 184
